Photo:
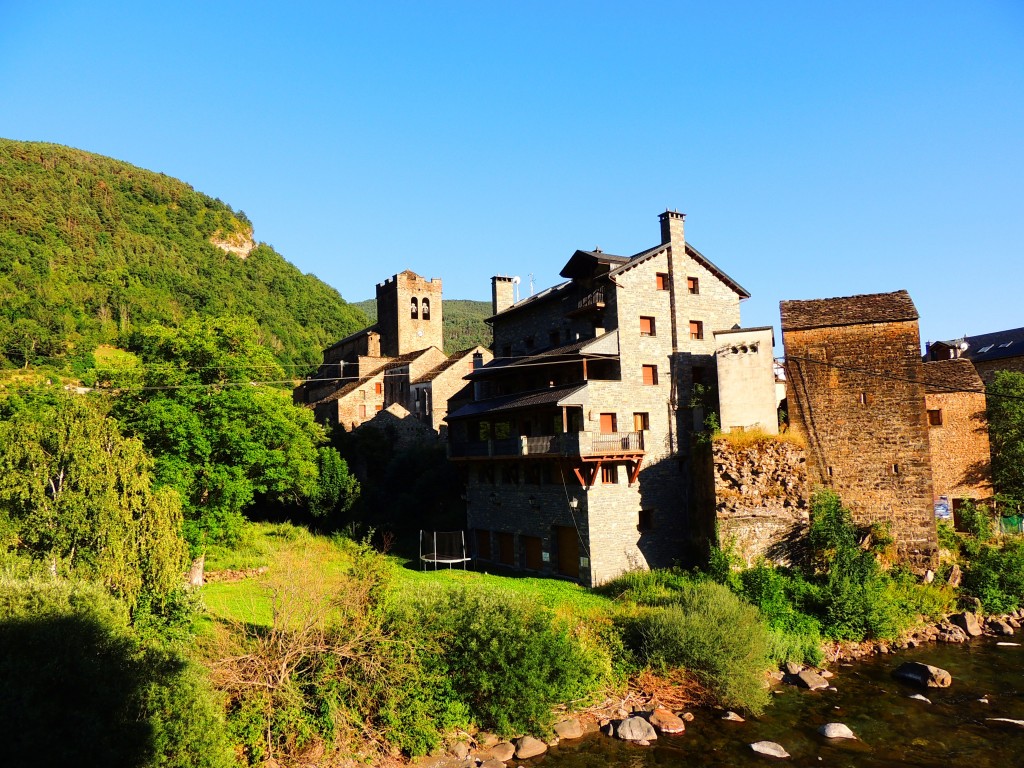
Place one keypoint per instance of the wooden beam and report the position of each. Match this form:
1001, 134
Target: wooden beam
635, 471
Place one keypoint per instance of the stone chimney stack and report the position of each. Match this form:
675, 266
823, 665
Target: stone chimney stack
502, 293
672, 227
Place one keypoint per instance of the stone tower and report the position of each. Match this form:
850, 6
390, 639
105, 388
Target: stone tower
409, 314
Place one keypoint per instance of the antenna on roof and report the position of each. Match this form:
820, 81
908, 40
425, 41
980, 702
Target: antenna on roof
515, 287
531, 283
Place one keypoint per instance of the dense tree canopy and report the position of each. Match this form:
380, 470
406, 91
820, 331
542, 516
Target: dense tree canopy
464, 325
91, 248
206, 400
78, 496
1006, 428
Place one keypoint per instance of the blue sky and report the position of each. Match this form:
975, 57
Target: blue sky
818, 149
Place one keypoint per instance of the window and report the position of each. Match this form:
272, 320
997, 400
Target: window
935, 417
862, 398
699, 375
608, 424
379, 387
553, 338
414, 309
641, 421
610, 474
650, 374
646, 521
661, 280
693, 285
895, 469
377, 408
696, 329
506, 350
829, 470
362, 411
647, 326
426, 308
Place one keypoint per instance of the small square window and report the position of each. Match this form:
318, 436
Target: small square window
378, 387
608, 425
935, 417
609, 474
862, 398
696, 329
647, 326
641, 421
650, 373
693, 285
378, 408
662, 281
362, 411
895, 469
646, 521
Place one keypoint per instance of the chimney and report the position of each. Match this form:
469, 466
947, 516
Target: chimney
502, 293
672, 227
478, 360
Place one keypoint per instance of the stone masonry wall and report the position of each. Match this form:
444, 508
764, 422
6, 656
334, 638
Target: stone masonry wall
856, 396
761, 499
959, 446
987, 369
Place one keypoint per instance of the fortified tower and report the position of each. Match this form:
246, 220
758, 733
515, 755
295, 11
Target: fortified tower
409, 314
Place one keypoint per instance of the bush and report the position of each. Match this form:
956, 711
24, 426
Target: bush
796, 636
715, 636
995, 575
80, 689
512, 660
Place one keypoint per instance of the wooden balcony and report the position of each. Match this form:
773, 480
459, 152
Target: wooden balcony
581, 445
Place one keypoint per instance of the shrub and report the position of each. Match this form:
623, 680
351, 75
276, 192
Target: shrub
796, 636
511, 659
714, 635
976, 520
995, 575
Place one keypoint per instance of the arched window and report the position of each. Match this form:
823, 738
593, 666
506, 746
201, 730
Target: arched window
415, 309
426, 308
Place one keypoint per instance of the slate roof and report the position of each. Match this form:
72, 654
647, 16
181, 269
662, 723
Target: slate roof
992, 346
549, 396
350, 387
958, 375
694, 254
548, 293
847, 310
563, 354
452, 359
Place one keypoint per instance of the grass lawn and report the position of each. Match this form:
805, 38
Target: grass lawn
281, 546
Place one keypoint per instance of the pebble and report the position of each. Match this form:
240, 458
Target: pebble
769, 748
919, 697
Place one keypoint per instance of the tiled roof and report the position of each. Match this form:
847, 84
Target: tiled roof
847, 310
957, 375
455, 357
549, 396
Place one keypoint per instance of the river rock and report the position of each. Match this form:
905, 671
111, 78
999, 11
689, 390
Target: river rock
794, 668
968, 622
1018, 723
636, 729
461, 750
503, 750
952, 634
836, 731
919, 697
812, 680
769, 748
569, 729
1011, 645
666, 722
955, 576
527, 747
1000, 627
730, 715
923, 674
492, 763
486, 739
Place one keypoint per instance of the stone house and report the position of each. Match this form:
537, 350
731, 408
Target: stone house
394, 362
957, 432
576, 443
988, 352
856, 394
746, 380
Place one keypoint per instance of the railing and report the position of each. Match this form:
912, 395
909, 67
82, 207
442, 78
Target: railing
593, 300
571, 444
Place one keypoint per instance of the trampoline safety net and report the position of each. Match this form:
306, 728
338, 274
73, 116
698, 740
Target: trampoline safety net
444, 547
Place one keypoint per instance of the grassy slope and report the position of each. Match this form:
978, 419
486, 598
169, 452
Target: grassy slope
91, 247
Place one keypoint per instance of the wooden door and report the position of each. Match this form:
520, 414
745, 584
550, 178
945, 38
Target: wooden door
506, 549
568, 552
532, 559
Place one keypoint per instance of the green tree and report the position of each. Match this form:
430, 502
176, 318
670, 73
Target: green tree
1006, 431
77, 495
222, 432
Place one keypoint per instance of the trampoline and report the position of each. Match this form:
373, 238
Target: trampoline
444, 548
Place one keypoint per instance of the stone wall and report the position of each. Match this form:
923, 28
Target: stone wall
400, 332
856, 396
987, 368
761, 499
746, 380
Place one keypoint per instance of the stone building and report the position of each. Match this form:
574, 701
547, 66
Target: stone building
856, 394
394, 362
957, 432
988, 352
577, 440
746, 380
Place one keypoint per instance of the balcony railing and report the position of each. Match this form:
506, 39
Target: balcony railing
580, 444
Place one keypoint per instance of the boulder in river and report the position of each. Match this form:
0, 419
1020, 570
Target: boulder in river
968, 622
811, 679
528, 747
923, 674
769, 748
635, 729
568, 729
836, 731
666, 722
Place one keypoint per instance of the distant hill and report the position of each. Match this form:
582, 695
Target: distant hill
91, 247
464, 324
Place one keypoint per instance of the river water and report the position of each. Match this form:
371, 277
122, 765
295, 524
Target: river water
893, 729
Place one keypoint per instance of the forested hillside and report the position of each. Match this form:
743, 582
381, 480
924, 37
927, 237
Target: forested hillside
91, 248
464, 324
